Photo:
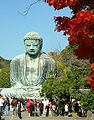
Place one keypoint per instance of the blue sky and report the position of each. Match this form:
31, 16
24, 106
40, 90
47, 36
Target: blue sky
14, 26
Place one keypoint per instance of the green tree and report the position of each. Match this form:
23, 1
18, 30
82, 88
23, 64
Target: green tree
69, 75
4, 73
5, 78
88, 100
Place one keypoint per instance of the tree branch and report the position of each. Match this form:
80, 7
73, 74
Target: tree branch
25, 12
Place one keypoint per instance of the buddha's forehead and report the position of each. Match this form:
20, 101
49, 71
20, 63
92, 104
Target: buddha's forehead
29, 41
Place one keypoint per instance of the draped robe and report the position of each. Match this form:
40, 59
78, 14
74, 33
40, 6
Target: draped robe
27, 75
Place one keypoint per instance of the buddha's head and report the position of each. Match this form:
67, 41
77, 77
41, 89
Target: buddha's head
33, 43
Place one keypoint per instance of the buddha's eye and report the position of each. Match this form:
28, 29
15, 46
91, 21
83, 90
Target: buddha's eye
35, 44
28, 45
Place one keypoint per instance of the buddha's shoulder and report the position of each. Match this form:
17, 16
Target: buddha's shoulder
18, 57
45, 56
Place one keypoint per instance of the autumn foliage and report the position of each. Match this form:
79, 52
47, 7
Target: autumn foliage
75, 5
80, 27
60, 4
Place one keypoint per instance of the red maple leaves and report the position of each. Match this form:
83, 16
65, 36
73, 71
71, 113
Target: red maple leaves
75, 5
81, 32
60, 4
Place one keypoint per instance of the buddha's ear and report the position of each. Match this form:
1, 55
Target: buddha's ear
24, 42
41, 45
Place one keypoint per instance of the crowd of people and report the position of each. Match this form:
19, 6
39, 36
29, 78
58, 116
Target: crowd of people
15, 106
34, 107
67, 107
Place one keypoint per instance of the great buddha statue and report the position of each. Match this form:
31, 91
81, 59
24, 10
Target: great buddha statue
29, 70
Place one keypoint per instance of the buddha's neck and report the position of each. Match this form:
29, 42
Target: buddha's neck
33, 56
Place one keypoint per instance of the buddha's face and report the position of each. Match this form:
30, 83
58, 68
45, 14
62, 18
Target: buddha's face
32, 46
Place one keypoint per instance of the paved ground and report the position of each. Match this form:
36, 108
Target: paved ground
25, 116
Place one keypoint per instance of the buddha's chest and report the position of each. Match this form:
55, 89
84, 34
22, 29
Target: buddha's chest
34, 71
32, 67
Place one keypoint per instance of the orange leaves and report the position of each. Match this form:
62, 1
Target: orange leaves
62, 23
80, 28
82, 5
60, 4
75, 5
81, 31
92, 67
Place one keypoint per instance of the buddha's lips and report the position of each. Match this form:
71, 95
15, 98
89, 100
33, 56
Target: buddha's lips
32, 50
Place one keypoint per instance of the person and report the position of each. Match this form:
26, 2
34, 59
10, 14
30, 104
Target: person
47, 109
41, 107
29, 70
14, 103
32, 108
66, 109
19, 109
1, 105
35, 102
6, 106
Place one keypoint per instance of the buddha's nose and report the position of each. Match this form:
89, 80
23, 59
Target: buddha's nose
31, 47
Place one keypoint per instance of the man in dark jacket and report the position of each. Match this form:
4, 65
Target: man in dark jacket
31, 108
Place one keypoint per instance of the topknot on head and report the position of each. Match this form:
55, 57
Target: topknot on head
32, 35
